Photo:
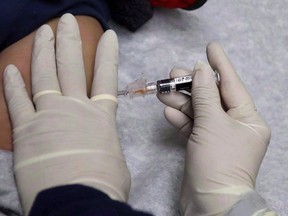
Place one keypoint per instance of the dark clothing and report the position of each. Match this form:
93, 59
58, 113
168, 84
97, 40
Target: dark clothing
21, 17
79, 200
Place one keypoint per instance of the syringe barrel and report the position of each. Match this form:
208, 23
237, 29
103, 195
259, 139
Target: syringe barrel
175, 84
183, 83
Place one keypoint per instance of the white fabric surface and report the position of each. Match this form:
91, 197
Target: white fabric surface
254, 34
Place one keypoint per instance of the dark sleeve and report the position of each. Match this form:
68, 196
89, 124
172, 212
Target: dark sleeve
79, 200
21, 17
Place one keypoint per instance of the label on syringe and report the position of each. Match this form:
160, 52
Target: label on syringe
183, 83
184, 79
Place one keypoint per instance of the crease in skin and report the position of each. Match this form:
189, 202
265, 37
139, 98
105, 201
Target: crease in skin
264, 212
243, 107
183, 109
184, 129
41, 93
52, 155
231, 190
104, 97
252, 127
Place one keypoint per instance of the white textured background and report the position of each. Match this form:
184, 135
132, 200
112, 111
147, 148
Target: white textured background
254, 33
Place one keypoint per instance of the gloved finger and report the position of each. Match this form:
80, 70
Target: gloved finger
205, 95
19, 104
178, 100
233, 91
105, 81
71, 71
44, 75
178, 72
179, 120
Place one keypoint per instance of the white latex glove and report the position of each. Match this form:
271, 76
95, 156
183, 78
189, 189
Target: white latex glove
67, 138
227, 138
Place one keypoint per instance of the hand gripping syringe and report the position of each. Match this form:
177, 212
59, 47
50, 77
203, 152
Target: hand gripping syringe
140, 87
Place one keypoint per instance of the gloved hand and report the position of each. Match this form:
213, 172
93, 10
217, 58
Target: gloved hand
67, 138
227, 138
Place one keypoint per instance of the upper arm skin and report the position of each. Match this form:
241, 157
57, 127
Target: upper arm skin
20, 53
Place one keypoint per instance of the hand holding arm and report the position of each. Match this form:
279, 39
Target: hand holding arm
67, 138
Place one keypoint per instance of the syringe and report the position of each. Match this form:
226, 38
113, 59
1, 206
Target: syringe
140, 87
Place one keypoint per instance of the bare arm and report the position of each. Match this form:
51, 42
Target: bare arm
19, 54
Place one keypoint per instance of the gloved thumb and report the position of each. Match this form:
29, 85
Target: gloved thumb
205, 94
